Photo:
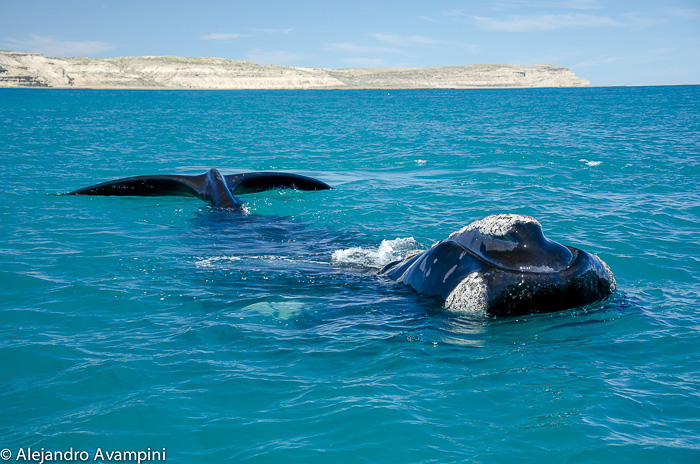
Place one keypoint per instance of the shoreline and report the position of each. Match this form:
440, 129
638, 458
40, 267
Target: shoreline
160, 89
32, 70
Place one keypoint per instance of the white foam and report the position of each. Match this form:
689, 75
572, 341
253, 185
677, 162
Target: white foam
212, 261
591, 163
386, 252
223, 262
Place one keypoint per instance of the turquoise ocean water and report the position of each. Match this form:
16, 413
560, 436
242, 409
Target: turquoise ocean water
136, 323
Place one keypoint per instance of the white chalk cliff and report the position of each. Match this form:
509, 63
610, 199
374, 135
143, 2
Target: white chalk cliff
18, 69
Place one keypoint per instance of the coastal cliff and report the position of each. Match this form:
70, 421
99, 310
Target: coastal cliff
18, 69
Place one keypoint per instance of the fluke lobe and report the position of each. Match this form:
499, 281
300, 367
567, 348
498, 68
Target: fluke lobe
212, 186
504, 265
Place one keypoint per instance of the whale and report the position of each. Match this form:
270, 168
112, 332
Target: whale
503, 265
212, 186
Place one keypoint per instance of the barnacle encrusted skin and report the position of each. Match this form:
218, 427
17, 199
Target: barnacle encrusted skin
608, 275
469, 296
496, 225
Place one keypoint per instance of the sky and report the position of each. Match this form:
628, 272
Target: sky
609, 42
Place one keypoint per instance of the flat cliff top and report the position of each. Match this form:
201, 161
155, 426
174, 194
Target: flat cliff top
19, 69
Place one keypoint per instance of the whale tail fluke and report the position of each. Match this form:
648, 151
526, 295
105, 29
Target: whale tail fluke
211, 186
254, 182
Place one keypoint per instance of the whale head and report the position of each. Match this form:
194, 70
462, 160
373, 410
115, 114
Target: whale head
514, 242
504, 265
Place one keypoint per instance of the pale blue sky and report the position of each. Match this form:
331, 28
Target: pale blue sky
621, 42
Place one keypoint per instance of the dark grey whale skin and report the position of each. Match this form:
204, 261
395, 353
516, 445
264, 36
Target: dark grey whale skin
521, 272
212, 186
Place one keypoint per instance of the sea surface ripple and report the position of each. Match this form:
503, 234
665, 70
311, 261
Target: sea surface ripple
133, 323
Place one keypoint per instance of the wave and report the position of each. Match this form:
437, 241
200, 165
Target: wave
386, 252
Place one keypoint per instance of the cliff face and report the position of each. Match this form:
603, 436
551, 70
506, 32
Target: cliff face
19, 69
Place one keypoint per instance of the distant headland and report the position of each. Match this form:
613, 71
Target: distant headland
19, 69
